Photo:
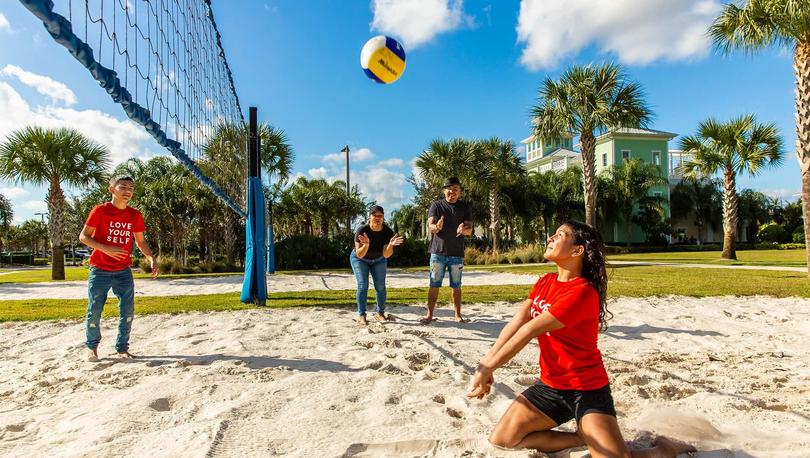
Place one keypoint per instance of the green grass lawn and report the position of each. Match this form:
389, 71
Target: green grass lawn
636, 281
80, 274
793, 258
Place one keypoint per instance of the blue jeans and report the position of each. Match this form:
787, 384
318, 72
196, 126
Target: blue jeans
439, 264
361, 268
99, 283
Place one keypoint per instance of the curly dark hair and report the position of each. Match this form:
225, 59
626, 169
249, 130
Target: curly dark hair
594, 265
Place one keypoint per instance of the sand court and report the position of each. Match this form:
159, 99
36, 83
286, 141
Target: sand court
728, 374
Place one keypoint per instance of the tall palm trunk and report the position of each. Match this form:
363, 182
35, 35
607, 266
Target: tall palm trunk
495, 215
231, 233
730, 217
589, 176
801, 67
56, 228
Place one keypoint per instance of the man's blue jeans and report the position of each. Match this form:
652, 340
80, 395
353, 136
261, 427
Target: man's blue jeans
99, 284
439, 264
361, 268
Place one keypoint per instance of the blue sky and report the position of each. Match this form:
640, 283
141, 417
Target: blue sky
473, 69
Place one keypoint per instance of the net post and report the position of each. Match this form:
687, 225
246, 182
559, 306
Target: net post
254, 287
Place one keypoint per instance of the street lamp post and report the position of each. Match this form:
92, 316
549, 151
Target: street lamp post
348, 192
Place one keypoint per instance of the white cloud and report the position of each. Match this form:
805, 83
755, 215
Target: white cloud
376, 182
417, 21
637, 31
4, 25
357, 155
383, 186
787, 194
13, 193
319, 172
392, 163
124, 139
44, 85
35, 205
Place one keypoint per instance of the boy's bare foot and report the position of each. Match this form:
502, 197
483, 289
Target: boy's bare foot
361, 320
125, 355
669, 447
382, 317
91, 355
426, 320
460, 319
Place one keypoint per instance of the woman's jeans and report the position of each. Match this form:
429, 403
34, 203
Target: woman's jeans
361, 268
99, 283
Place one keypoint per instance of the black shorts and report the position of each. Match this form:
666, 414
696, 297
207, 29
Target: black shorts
563, 405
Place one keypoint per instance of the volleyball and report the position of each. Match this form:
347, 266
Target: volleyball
383, 59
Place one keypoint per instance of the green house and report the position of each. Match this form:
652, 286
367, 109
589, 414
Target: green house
619, 145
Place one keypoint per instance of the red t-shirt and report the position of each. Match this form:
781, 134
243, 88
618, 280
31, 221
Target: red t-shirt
114, 227
569, 358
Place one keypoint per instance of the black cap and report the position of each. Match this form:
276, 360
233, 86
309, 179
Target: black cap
450, 182
375, 209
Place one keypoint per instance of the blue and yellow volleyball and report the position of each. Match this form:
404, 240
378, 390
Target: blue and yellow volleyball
383, 59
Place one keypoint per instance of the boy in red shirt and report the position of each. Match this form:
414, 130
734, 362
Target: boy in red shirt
564, 311
110, 230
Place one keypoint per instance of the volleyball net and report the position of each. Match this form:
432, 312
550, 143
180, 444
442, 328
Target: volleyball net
163, 62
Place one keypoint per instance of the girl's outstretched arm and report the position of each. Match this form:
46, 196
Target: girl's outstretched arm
507, 350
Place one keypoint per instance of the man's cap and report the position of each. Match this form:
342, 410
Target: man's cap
450, 182
376, 209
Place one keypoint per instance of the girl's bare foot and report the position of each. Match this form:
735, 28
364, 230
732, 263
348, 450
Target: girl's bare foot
125, 355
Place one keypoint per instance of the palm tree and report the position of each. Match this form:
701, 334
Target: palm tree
53, 157
753, 212
499, 165
754, 25
407, 221
6, 216
734, 147
225, 159
629, 184
563, 196
443, 159
700, 198
588, 101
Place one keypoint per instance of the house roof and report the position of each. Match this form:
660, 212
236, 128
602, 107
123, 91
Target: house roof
635, 131
532, 137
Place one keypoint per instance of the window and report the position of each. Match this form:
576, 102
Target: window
657, 157
625, 155
604, 159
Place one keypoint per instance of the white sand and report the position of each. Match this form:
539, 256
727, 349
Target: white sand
731, 375
233, 283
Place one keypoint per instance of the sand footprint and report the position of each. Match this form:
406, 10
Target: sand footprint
161, 404
418, 361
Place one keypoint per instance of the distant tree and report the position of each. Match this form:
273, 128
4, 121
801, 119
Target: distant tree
499, 165
53, 157
587, 101
6, 217
739, 145
629, 184
755, 25
700, 199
